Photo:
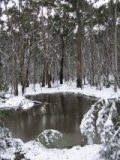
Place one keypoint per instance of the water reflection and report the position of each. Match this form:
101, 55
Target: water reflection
64, 113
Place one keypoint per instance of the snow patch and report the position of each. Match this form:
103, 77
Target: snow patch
70, 87
50, 138
12, 147
36, 152
16, 102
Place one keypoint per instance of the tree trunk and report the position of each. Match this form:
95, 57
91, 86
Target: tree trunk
79, 60
16, 88
1, 74
22, 74
79, 49
62, 60
49, 80
15, 81
93, 72
116, 63
45, 73
46, 79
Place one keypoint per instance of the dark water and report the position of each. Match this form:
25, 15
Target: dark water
64, 113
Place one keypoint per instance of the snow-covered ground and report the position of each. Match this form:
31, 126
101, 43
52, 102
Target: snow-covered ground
70, 87
35, 151
98, 3
16, 102
89, 152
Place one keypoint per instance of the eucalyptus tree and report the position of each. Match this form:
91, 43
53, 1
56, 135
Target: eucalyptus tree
8, 44
29, 29
107, 15
46, 41
21, 29
1, 65
58, 39
115, 50
63, 26
78, 8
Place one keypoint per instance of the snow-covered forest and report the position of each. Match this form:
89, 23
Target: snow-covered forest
61, 46
43, 41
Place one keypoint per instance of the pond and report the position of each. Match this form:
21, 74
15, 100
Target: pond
63, 112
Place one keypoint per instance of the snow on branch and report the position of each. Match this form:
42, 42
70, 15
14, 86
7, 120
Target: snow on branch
88, 123
103, 119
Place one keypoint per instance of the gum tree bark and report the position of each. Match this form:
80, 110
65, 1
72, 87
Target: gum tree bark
79, 49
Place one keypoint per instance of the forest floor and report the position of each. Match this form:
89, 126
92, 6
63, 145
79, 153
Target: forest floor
88, 152
34, 152
70, 87
20, 101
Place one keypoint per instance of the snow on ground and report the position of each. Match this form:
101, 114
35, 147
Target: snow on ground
34, 150
100, 3
16, 102
37, 152
70, 87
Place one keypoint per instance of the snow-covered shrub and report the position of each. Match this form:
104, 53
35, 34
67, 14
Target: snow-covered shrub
108, 149
4, 133
106, 127
101, 119
110, 137
50, 138
88, 124
8, 145
102, 116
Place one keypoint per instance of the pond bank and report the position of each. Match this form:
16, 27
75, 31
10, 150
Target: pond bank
70, 87
35, 151
60, 111
18, 150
